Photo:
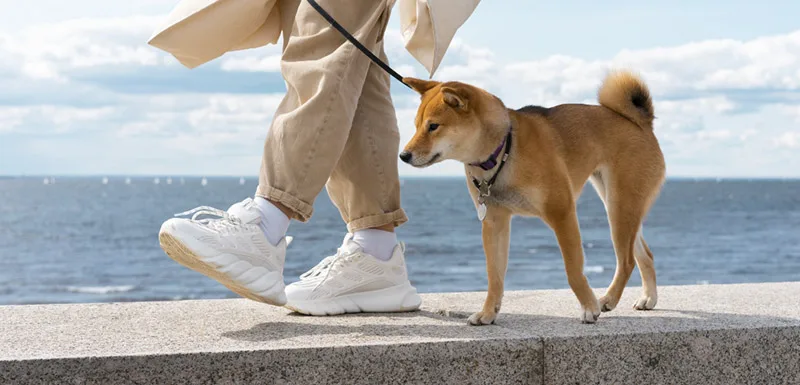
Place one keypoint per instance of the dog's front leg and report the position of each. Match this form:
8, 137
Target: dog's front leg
495, 228
564, 223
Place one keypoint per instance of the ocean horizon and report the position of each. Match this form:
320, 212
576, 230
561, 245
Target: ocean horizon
69, 239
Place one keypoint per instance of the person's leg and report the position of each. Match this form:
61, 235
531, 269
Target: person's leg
368, 273
325, 76
364, 185
245, 247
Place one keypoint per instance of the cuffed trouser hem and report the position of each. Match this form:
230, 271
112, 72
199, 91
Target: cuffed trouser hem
302, 210
397, 218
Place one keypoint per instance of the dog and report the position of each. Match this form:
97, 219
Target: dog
535, 161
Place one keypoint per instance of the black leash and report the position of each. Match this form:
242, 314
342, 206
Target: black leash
484, 187
356, 43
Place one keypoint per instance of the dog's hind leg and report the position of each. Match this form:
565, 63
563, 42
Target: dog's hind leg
626, 207
644, 261
496, 239
625, 223
622, 216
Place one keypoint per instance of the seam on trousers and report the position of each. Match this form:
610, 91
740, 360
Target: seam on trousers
387, 13
371, 132
381, 176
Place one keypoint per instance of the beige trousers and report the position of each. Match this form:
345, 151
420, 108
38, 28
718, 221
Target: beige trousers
336, 126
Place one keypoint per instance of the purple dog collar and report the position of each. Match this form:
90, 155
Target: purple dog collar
492, 161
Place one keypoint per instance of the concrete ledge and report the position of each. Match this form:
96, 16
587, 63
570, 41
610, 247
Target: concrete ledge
713, 334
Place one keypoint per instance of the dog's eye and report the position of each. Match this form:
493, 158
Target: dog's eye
432, 127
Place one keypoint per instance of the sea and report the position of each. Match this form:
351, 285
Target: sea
94, 239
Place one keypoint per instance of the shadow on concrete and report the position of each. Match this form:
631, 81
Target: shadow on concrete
421, 323
453, 325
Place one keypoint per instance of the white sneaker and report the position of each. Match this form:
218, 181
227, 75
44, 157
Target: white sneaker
351, 282
230, 248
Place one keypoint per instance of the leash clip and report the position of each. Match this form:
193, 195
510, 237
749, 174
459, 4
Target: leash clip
484, 189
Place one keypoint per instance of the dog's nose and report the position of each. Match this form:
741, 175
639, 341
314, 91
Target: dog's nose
405, 156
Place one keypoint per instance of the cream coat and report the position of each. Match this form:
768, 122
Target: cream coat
198, 31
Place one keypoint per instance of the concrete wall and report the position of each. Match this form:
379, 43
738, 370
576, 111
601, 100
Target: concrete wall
712, 334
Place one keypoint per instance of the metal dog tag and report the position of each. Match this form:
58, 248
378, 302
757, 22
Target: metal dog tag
481, 211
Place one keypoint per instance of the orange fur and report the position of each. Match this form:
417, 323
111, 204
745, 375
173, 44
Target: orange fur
554, 152
626, 94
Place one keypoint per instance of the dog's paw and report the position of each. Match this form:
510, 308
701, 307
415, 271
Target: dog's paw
646, 302
589, 316
482, 318
607, 303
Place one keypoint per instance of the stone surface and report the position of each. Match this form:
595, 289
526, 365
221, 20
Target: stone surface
706, 334
240, 341
711, 334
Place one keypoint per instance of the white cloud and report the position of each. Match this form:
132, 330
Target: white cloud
41, 70
270, 63
11, 118
234, 111
696, 106
48, 120
716, 67
716, 101
789, 140
204, 124
45, 51
793, 111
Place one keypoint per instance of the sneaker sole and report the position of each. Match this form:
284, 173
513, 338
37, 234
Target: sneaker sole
396, 299
176, 250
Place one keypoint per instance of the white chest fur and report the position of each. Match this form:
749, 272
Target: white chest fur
521, 202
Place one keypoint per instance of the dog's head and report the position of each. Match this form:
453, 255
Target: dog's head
454, 121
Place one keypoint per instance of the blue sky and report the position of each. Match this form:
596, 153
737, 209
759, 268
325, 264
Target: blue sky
82, 93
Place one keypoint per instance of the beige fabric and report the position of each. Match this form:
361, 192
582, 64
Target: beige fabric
198, 31
336, 125
428, 27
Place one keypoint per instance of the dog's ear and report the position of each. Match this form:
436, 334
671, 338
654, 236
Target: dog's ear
419, 85
454, 98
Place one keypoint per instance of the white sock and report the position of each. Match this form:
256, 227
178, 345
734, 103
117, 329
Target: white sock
377, 243
274, 222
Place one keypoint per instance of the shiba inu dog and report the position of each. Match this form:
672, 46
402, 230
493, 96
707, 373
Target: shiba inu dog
535, 161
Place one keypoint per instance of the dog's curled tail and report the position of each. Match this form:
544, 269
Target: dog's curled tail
628, 95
